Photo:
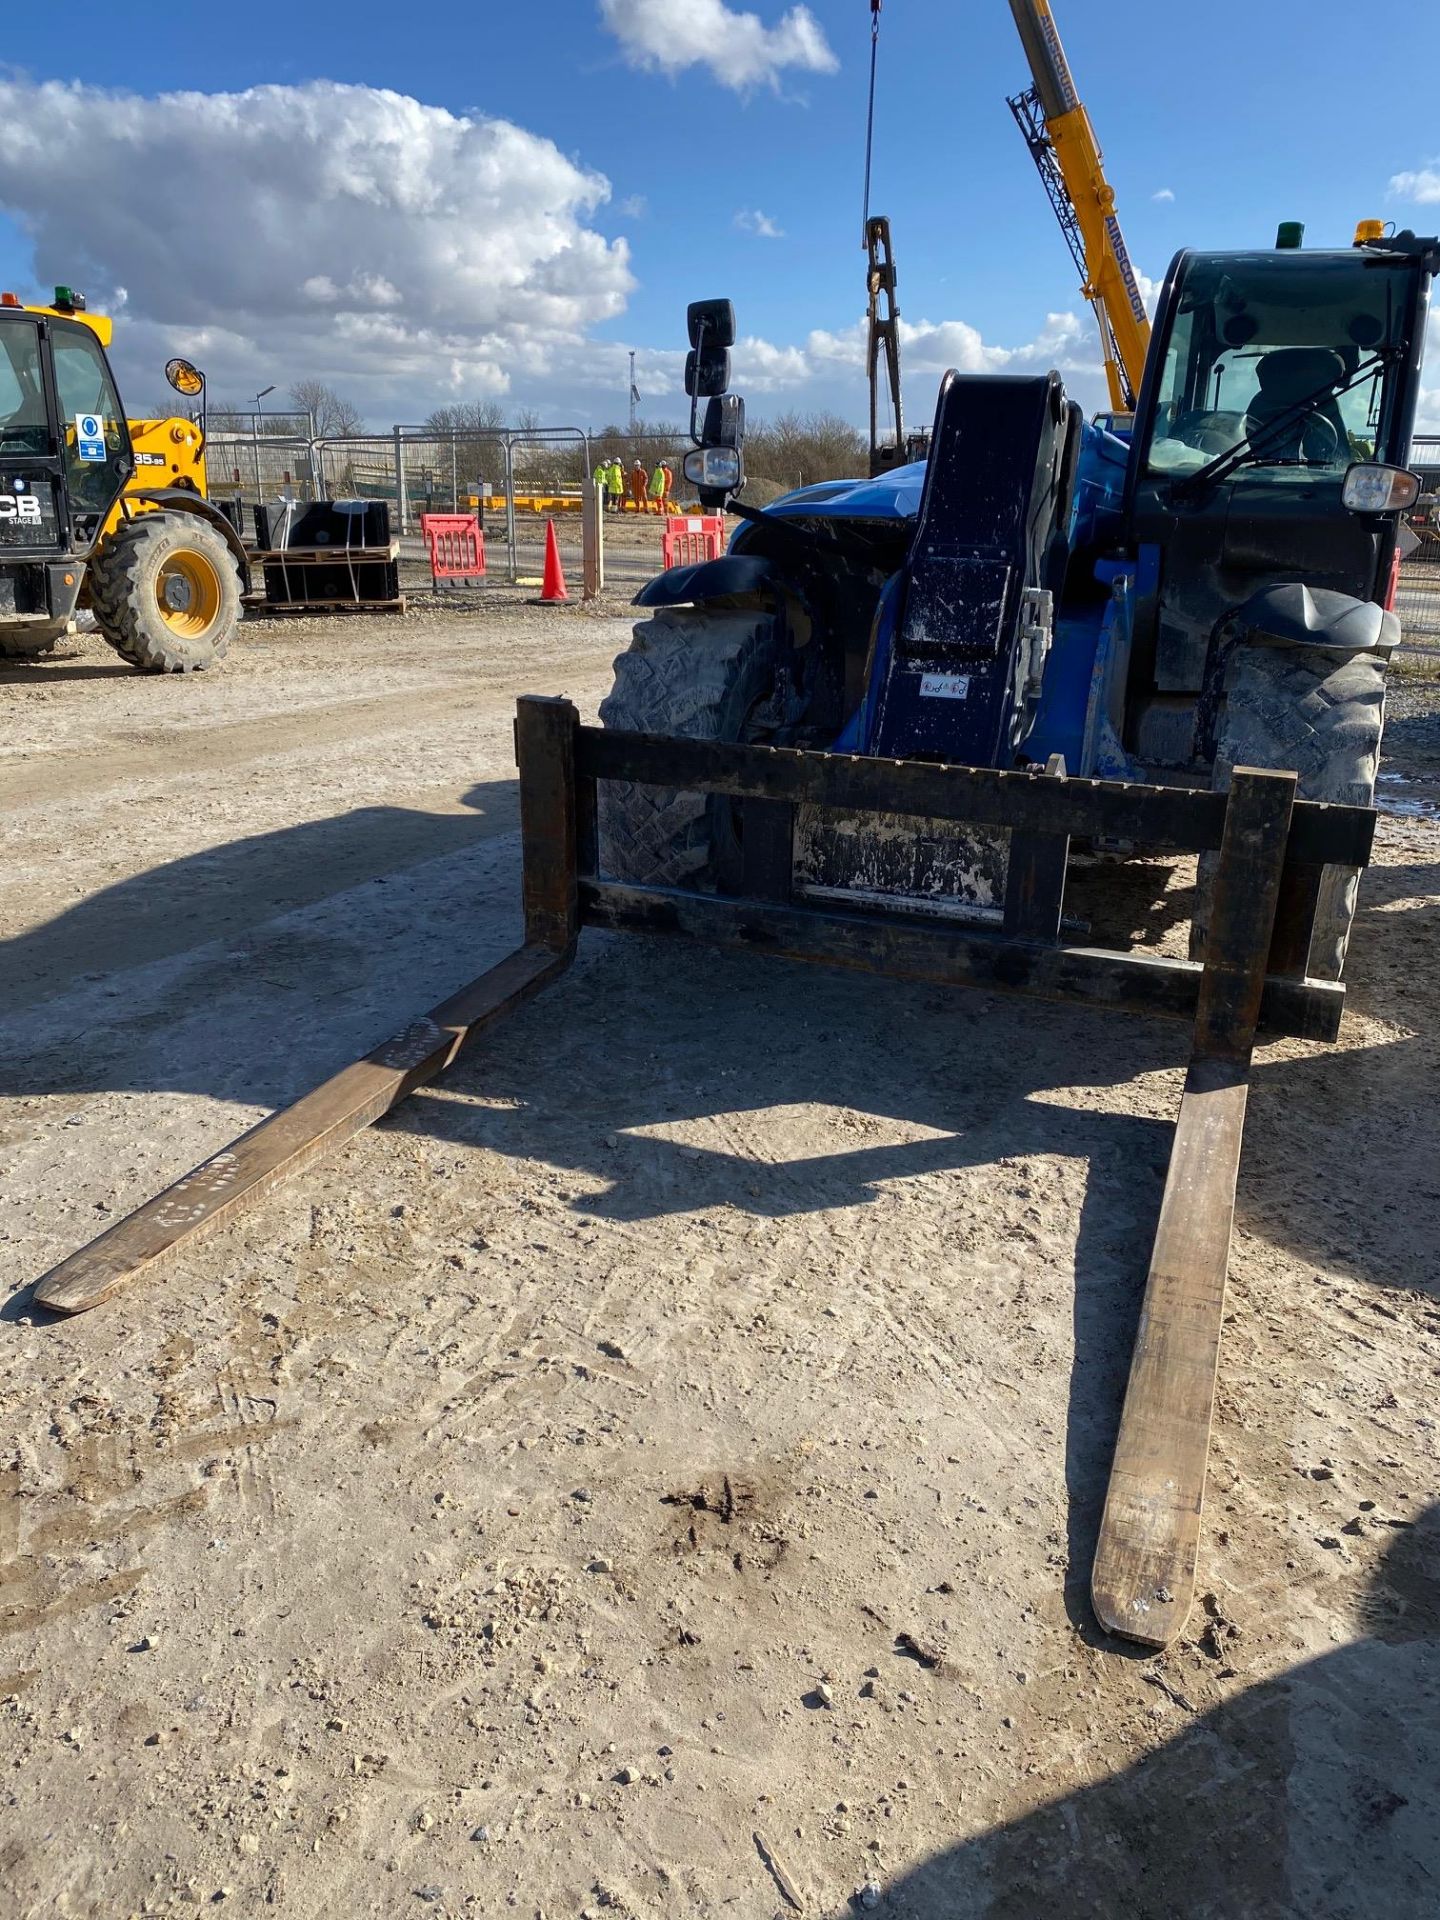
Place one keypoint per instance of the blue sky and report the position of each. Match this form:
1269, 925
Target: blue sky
411, 274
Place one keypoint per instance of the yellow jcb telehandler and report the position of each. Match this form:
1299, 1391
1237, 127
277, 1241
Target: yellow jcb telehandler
103, 512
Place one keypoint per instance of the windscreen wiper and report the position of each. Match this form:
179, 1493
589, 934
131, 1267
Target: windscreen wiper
1224, 464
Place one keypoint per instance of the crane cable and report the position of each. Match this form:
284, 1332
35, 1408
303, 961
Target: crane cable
870, 120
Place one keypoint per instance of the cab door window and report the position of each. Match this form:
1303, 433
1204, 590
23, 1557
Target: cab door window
95, 467
23, 426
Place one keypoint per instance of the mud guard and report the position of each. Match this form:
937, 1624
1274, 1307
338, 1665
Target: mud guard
181, 500
732, 575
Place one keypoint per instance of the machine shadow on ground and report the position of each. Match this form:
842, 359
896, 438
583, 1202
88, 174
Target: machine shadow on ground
61, 665
235, 888
598, 1072
1303, 1796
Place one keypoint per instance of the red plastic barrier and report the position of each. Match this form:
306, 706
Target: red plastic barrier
456, 544
690, 538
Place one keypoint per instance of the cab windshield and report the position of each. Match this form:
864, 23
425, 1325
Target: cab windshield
1283, 356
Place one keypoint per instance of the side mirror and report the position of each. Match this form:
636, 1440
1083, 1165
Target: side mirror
185, 378
724, 421
707, 371
1371, 488
712, 319
715, 472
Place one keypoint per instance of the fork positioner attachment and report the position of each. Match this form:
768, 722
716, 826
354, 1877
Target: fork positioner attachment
1273, 850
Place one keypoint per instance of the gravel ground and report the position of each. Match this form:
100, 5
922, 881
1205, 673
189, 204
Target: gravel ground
655, 1473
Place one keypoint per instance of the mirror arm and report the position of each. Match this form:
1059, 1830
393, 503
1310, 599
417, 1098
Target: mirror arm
695, 397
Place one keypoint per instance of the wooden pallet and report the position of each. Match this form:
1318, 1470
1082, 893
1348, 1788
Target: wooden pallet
321, 556
258, 603
1272, 848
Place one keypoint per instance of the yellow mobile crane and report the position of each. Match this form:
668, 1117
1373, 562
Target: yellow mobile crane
1063, 146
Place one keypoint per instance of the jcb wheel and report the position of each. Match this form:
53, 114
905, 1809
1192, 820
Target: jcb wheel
166, 593
29, 642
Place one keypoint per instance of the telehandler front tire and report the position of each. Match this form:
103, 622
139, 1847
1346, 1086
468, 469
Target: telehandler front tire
693, 673
166, 593
1318, 714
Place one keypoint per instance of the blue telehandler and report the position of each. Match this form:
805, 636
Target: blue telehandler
895, 706
1214, 590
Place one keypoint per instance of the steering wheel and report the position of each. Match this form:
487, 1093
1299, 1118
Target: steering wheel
1314, 437
1203, 429
1318, 429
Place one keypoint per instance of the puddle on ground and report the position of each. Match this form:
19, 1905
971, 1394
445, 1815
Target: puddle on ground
1395, 794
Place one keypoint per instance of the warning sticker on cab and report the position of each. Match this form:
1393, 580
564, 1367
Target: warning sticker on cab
89, 437
944, 686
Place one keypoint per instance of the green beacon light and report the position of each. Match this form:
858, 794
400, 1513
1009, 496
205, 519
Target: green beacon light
1290, 233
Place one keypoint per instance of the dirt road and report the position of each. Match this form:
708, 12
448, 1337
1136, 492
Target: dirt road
656, 1472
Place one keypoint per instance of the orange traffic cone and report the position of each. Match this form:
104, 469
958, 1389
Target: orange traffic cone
552, 587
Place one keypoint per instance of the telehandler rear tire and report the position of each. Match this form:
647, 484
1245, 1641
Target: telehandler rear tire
696, 673
165, 592
29, 643
1319, 714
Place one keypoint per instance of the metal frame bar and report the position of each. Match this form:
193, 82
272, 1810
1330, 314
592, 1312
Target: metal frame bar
1270, 846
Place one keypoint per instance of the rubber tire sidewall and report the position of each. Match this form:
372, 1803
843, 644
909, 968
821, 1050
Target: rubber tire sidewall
123, 592
692, 673
1319, 714
31, 644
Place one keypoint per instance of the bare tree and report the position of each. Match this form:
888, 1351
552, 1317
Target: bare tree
332, 413
799, 449
467, 416
225, 416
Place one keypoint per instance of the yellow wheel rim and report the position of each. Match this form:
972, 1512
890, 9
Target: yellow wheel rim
187, 593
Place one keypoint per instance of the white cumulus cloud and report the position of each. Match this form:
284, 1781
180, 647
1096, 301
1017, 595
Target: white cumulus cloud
1421, 186
350, 232
738, 48
752, 220
405, 255
1163, 193
829, 367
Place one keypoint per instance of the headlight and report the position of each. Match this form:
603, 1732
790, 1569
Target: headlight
717, 467
1375, 489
